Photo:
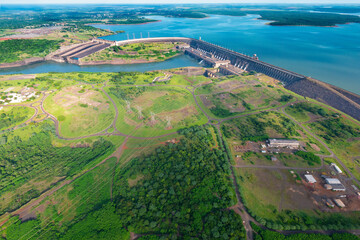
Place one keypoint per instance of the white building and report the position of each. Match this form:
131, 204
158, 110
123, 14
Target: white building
288, 143
337, 169
332, 181
310, 178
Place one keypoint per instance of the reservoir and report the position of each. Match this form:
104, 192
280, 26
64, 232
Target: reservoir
330, 54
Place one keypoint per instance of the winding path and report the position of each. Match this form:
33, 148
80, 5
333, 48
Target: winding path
239, 208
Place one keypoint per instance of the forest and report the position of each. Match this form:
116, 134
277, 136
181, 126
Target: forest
14, 50
290, 18
181, 189
264, 234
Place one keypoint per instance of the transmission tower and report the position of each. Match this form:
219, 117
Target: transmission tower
139, 112
128, 106
168, 122
152, 118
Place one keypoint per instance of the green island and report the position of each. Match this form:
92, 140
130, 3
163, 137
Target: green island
134, 53
122, 144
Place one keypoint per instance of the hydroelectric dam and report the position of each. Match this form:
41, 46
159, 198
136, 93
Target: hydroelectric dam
229, 62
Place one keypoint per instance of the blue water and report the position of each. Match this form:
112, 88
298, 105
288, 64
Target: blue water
330, 54
44, 67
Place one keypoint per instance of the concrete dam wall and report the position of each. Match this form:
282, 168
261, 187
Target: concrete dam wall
336, 97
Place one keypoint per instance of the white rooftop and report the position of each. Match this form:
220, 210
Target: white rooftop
310, 178
332, 181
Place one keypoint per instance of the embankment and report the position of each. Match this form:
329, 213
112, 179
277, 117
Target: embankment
338, 98
22, 62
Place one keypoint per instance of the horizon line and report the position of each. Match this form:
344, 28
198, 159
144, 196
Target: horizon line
164, 3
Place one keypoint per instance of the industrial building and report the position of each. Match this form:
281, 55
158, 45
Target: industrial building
310, 178
283, 143
332, 181
333, 184
339, 203
337, 169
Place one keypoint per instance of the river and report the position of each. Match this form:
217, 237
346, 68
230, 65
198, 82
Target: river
330, 54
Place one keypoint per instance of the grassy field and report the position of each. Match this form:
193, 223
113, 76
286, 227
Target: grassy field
80, 110
164, 109
230, 96
343, 137
307, 111
137, 51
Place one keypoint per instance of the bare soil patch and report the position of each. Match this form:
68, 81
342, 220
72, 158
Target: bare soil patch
71, 96
180, 114
133, 182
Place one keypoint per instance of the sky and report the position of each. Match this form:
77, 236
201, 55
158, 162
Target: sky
170, 1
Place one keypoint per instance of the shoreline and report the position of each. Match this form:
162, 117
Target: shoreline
123, 24
123, 61
30, 61
21, 63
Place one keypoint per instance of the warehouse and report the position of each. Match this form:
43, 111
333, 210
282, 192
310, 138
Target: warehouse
283, 143
339, 203
335, 184
337, 169
310, 178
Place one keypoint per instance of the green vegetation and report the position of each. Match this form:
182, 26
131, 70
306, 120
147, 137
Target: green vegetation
301, 111
80, 113
264, 234
290, 18
301, 18
335, 130
176, 184
254, 127
309, 157
13, 116
136, 51
233, 95
25, 161
163, 109
20, 49
343, 137
182, 189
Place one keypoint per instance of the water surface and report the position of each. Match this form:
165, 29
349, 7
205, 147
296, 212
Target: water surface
44, 67
330, 54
